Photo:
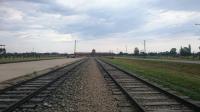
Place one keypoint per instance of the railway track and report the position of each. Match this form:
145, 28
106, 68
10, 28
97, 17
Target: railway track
144, 95
26, 95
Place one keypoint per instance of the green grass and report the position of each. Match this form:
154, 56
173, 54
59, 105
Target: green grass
17, 59
184, 78
189, 58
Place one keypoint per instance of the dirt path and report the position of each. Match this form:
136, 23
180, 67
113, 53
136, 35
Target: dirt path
13, 70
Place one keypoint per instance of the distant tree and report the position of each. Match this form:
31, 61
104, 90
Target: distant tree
121, 53
136, 51
143, 54
173, 51
189, 48
152, 53
166, 53
186, 51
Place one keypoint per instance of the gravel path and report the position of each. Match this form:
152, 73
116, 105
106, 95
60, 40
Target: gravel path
84, 91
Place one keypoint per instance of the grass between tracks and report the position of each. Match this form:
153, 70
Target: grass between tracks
182, 77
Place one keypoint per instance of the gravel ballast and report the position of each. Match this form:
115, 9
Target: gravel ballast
85, 90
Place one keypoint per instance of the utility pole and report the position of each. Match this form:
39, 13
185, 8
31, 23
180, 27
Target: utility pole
144, 46
75, 48
199, 39
126, 49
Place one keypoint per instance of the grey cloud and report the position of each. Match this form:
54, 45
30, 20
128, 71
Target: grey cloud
187, 5
103, 22
100, 22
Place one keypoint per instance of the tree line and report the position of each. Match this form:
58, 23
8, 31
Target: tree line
31, 54
183, 51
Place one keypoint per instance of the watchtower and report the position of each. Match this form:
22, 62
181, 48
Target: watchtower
2, 49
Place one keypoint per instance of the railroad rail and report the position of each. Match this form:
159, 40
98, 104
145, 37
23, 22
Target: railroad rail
26, 95
146, 96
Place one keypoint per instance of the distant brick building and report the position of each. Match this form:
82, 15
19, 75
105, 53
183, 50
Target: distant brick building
93, 53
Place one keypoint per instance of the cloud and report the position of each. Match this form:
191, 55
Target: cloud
10, 14
30, 23
184, 5
170, 19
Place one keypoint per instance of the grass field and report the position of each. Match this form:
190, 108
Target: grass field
184, 78
189, 58
16, 59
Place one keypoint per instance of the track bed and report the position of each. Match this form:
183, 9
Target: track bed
26, 95
147, 97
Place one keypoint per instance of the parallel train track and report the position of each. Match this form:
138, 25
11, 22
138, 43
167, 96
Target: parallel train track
26, 95
146, 96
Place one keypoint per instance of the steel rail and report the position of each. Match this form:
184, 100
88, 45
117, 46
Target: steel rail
133, 101
23, 82
21, 101
193, 106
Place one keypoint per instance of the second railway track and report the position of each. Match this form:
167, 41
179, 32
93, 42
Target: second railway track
144, 95
24, 96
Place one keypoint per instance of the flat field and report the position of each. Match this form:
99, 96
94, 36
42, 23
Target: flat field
181, 77
189, 58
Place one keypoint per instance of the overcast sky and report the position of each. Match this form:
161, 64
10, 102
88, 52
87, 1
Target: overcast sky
53, 25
